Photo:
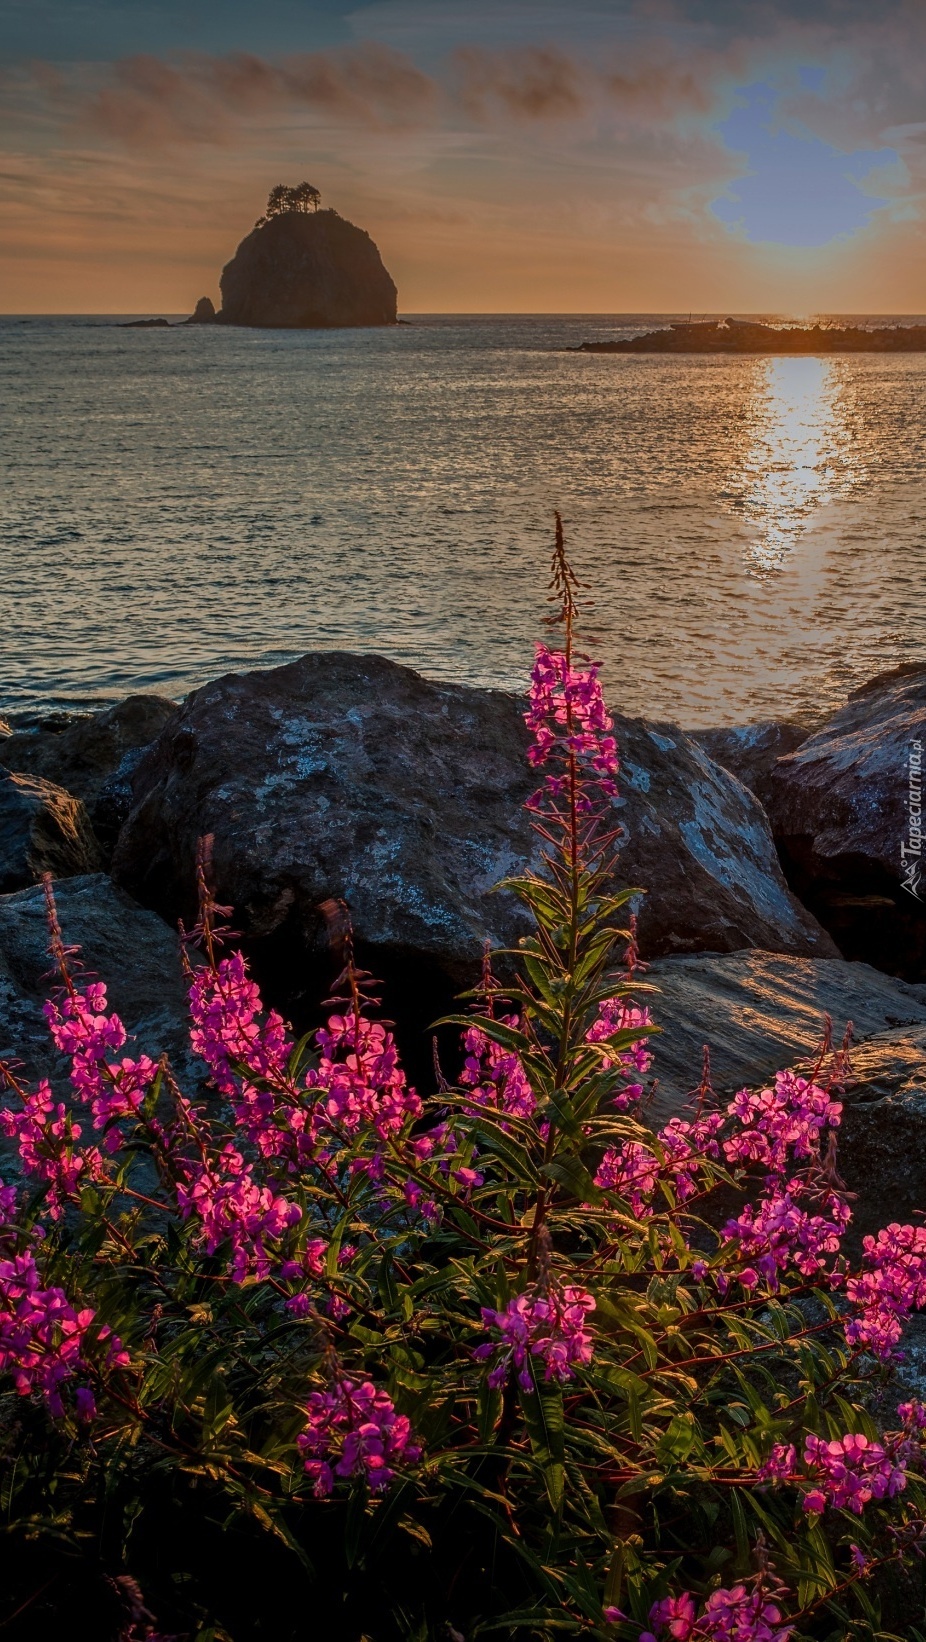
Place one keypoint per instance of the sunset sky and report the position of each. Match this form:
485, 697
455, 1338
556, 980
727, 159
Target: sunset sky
506, 155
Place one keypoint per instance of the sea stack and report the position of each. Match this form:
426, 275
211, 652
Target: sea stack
307, 269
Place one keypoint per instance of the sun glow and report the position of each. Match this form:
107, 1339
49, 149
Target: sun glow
795, 458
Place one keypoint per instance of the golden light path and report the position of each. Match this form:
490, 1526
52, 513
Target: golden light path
796, 457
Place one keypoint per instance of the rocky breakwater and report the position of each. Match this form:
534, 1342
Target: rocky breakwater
349, 776
846, 809
307, 270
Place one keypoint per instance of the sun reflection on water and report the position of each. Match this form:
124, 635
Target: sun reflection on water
796, 457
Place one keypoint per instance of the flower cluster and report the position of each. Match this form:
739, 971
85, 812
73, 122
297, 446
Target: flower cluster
570, 722
617, 1015
358, 1081
737, 1614
46, 1137
354, 1431
247, 1053
81, 1028
846, 1473
548, 1325
782, 1123
496, 1075
891, 1285
42, 1336
219, 1188
780, 1233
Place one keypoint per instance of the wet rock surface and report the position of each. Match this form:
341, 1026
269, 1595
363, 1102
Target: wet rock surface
307, 271
42, 829
846, 806
349, 776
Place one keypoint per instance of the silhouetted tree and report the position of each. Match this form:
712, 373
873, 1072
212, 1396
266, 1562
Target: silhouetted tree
302, 198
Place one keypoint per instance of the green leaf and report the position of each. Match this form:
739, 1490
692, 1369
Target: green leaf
545, 1420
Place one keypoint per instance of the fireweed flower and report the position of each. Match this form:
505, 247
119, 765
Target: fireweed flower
846, 1473
780, 1123
568, 718
617, 1015
495, 1075
891, 1285
779, 1233
46, 1137
221, 1191
734, 1615
42, 1336
354, 1431
81, 1028
549, 1326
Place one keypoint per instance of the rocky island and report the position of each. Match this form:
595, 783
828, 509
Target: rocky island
743, 336
300, 268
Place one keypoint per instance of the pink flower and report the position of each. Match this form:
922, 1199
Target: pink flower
354, 1431
496, 1075
550, 1326
891, 1285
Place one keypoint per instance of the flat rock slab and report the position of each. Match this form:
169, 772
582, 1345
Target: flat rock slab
350, 776
42, 829
759, 1012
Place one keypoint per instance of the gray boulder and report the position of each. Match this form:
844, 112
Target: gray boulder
846, 809
751, 751
42, 829
343, 775
307, 271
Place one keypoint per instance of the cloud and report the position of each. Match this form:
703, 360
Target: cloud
528, 82
153, 102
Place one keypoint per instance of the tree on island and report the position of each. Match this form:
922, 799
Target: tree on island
303, 198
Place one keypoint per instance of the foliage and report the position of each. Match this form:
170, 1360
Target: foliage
303, 199
504, 1360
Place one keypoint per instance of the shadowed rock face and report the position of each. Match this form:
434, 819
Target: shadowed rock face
307, 272
91, 756
343, 775
42, 829
845, 805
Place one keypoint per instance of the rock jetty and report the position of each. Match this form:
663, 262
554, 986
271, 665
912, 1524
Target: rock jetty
743, 336
349, 776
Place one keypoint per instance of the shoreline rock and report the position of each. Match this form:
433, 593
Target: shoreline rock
744, 336
845, 809
42, 829
349, 776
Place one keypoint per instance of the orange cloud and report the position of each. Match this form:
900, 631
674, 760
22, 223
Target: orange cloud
201, 98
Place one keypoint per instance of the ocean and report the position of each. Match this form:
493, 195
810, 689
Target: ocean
178, 503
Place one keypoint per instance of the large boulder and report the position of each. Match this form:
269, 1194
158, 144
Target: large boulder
758, 1012
846, 808
91, 756
42, 829
751, 751
307, 271
350, 776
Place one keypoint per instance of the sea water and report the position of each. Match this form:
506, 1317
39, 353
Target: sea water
178, 503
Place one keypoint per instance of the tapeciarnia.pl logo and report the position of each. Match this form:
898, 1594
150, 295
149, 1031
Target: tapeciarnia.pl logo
911, 849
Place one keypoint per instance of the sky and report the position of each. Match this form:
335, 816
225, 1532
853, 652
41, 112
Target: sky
600, 156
